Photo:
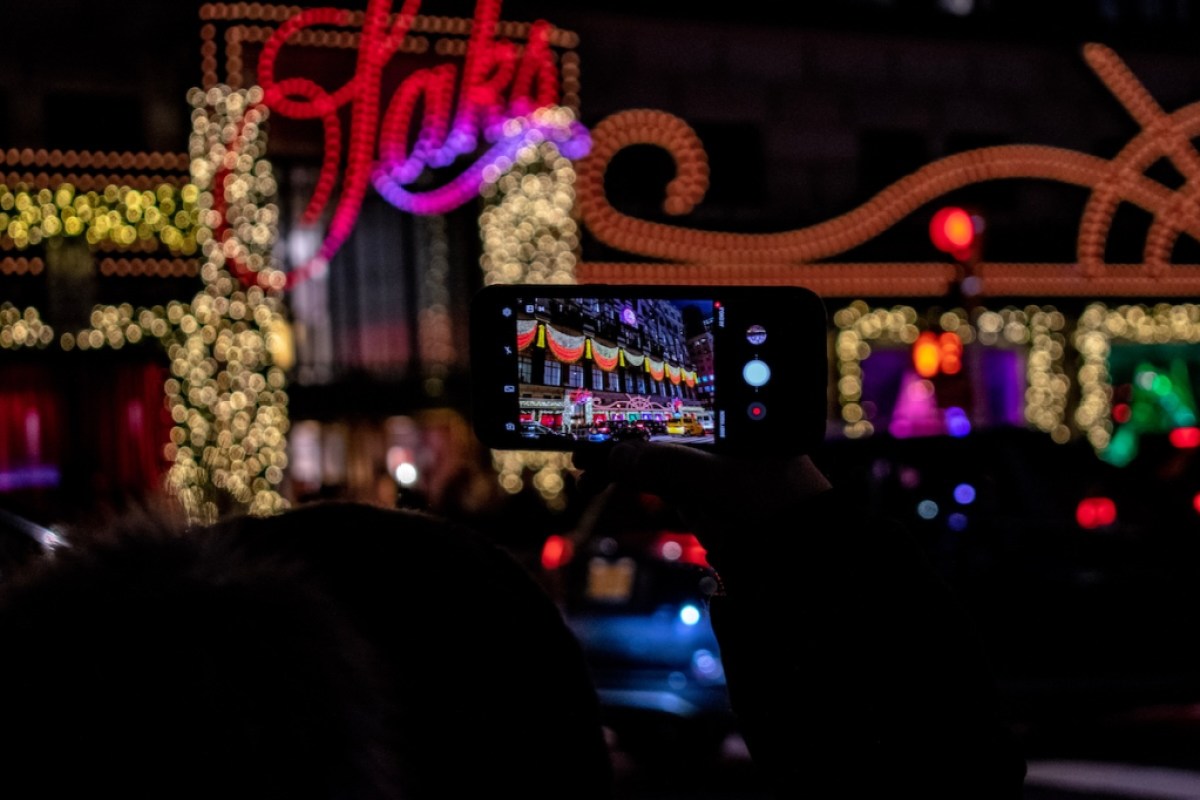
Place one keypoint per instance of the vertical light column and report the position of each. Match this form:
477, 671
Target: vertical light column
530, 236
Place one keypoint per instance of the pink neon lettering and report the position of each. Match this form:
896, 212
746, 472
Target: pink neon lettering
491, 68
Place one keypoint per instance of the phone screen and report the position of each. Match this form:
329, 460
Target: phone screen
601, 369
736, 367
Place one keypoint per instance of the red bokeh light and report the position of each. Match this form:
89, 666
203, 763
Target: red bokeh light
1096, 512
556, 551
1185, 438
951, 352
952, 230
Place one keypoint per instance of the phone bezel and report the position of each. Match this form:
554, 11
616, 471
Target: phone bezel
797, 326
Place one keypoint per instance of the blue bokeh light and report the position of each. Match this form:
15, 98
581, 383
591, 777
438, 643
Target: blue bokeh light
957, 424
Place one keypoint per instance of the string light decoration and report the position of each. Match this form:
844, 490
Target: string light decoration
446, 33
1097, 329
788, 258
118, 215
1048, 385
546, 471
861, 328
529, 235
91, 160
528, 231
502, 97
23, 328
226, 395
21, 266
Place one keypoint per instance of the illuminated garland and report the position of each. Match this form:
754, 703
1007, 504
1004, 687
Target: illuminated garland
545, 469
505, 99
21, 266
859, 327
1049, 384
20, 329
565, 347
606, 357
118, 215
526, 331
530, 236
1098, 327
528, 231
439, 26
227, 396
569, 349
791, 257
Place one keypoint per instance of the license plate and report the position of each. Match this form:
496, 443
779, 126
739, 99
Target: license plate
610, 581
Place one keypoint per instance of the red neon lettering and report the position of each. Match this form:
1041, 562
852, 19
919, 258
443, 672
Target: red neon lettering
491, 68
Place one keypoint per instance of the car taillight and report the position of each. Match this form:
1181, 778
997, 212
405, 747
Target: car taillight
557, 551
1095, 512
682, 547
1185, 438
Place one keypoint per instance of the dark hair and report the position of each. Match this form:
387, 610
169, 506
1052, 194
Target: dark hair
336, 650
146, 661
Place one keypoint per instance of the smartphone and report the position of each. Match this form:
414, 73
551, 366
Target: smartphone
731, 368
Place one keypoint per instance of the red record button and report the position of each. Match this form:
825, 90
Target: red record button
756, 411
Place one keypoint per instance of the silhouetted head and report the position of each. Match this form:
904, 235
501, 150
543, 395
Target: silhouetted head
153, 662
334, 652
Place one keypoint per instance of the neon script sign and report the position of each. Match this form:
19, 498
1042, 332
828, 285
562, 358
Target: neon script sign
504, 100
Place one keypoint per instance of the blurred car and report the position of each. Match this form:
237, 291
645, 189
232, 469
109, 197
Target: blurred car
536, 430
598, 433
655, 427
631, 432
633, 584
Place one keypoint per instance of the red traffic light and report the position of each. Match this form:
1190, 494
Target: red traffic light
953, 231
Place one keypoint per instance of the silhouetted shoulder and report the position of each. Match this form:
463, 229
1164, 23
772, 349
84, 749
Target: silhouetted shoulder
493, 687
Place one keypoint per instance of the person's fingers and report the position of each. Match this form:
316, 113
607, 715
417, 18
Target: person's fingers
675, 472
701, 480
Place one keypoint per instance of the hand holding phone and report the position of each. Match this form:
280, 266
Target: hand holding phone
572, 367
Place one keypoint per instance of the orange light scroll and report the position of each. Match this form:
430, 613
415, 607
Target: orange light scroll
798, 256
